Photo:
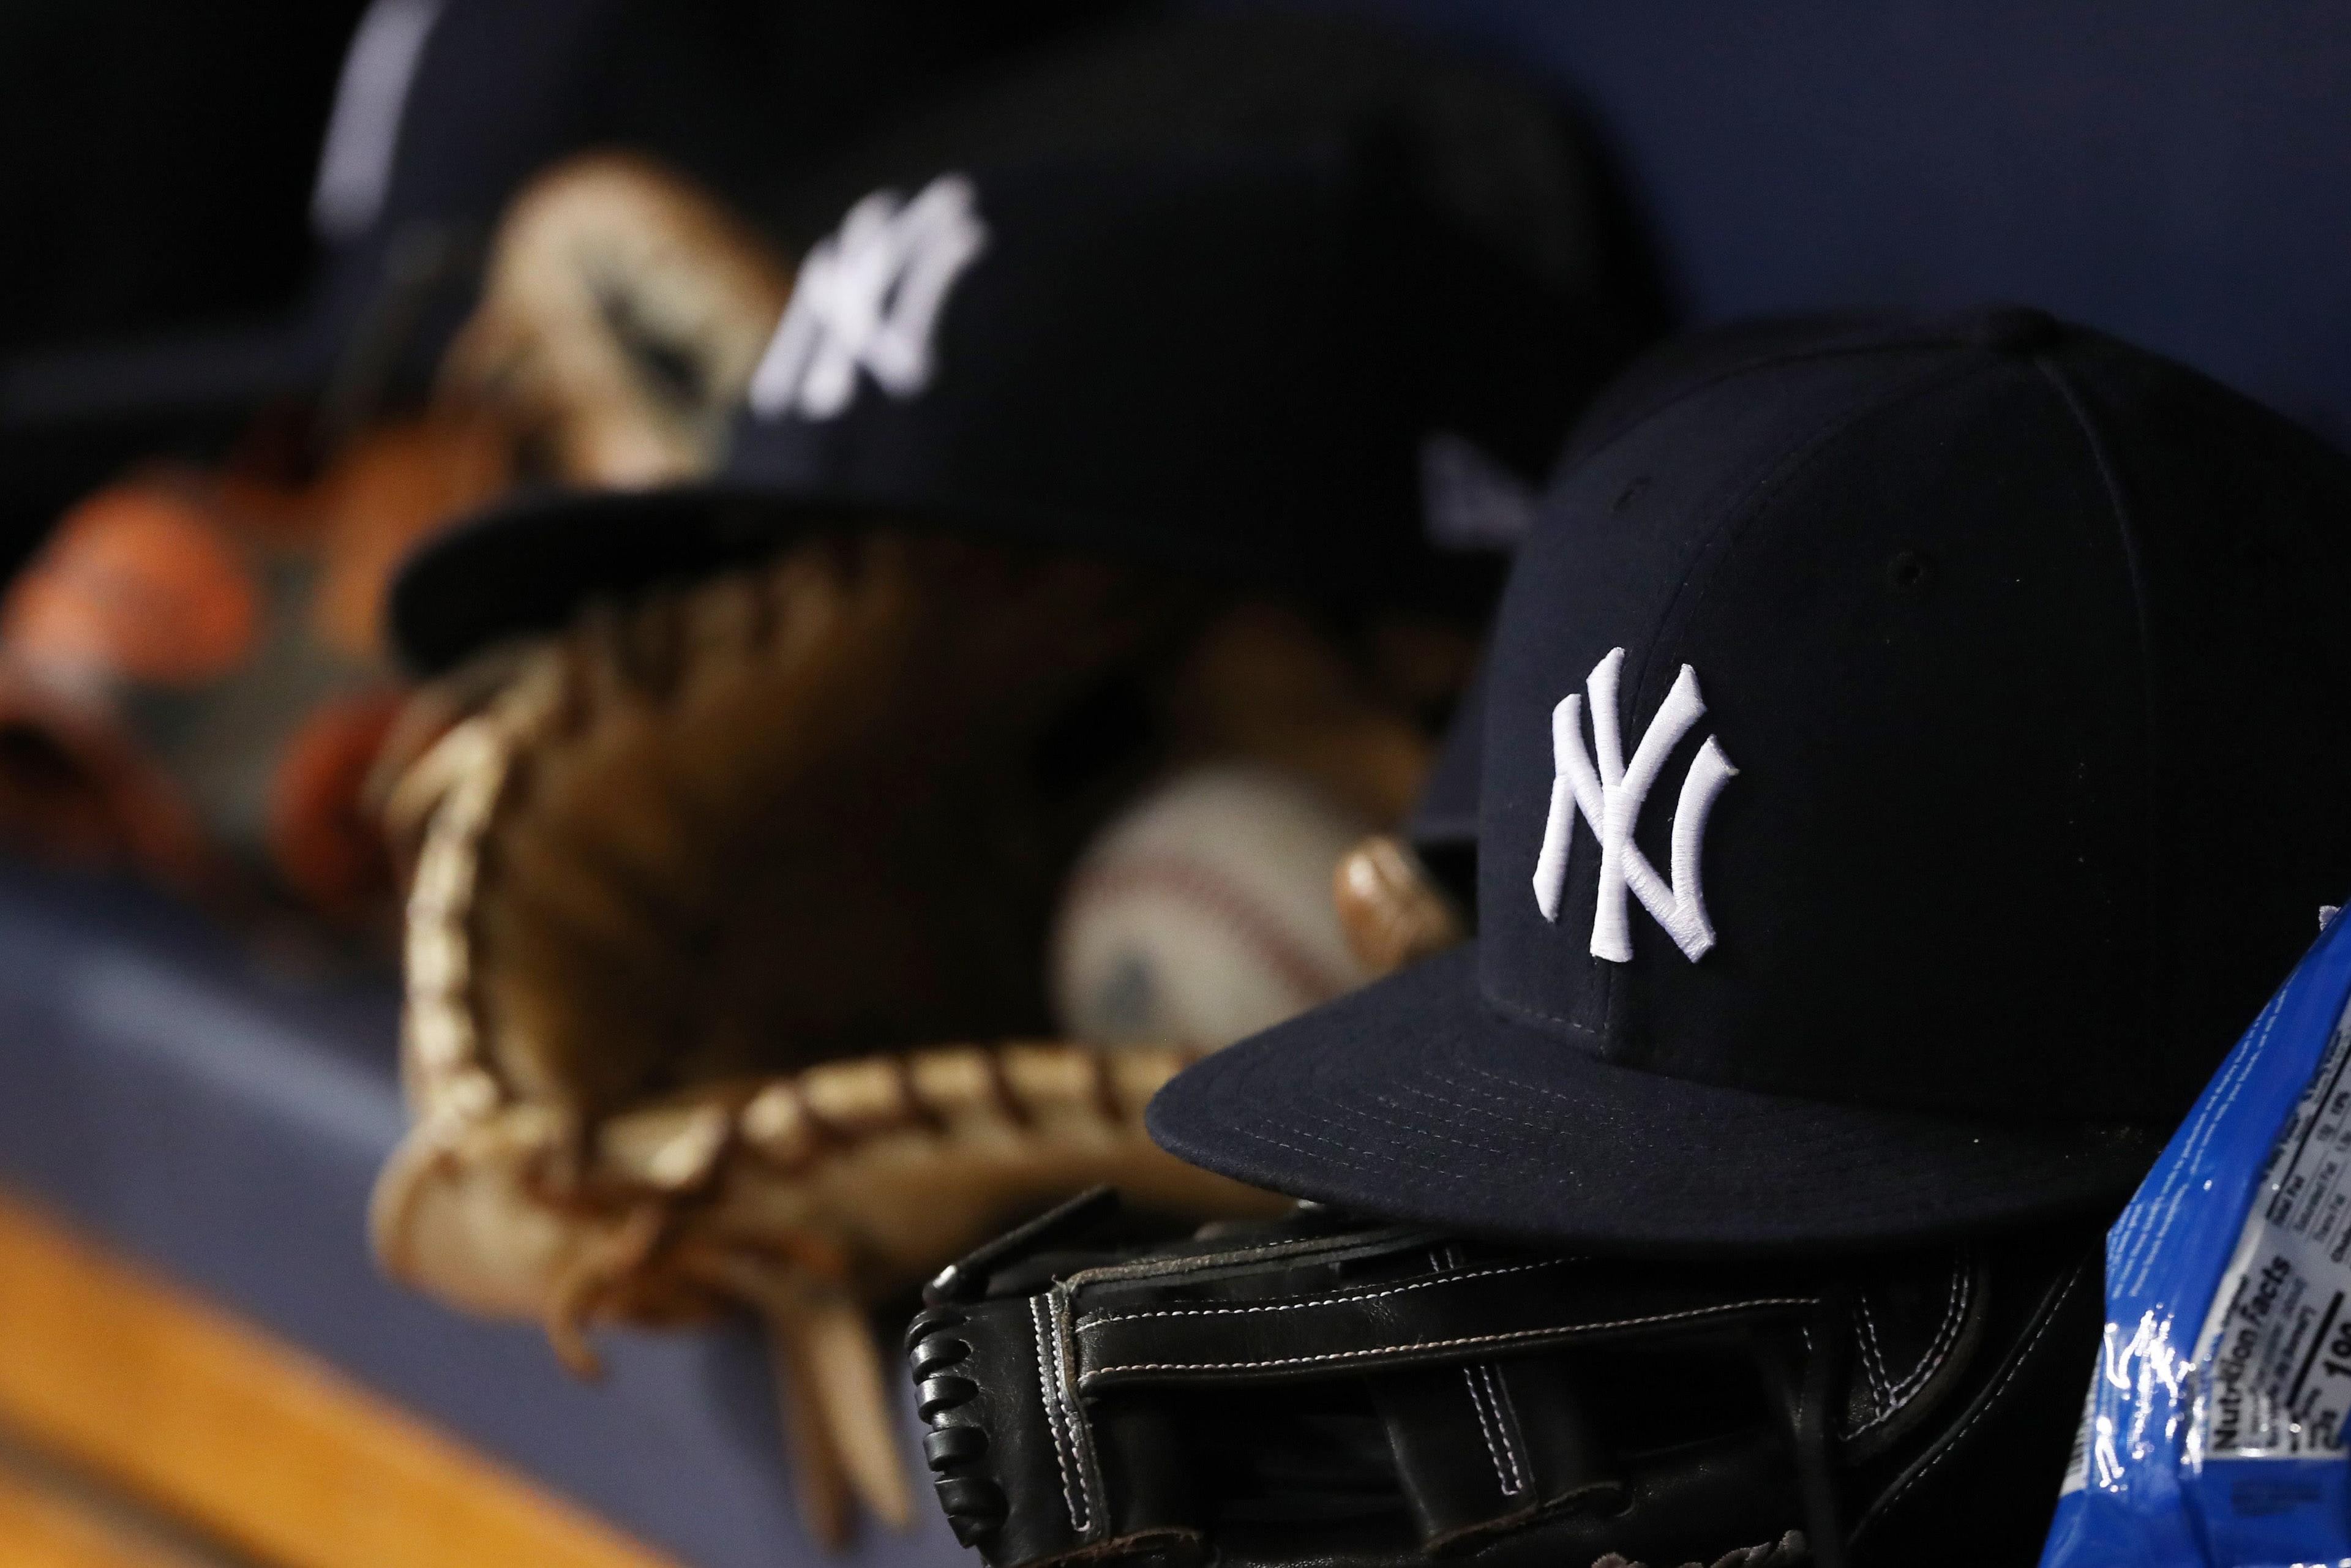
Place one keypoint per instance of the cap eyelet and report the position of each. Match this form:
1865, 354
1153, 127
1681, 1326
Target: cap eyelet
1912, 574
2013, 330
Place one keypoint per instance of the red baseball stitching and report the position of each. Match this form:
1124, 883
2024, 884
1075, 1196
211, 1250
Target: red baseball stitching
1192, 883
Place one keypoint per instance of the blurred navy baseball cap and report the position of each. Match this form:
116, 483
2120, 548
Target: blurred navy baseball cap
1905, 766
1232, 364
1444, 819
445, 108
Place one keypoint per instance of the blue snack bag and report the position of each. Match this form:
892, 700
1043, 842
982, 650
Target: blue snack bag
2212, 1436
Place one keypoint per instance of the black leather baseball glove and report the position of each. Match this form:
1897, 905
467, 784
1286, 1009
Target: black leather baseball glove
1323, 1391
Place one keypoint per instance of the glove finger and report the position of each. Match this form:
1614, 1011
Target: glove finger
820, 1477
846, 1383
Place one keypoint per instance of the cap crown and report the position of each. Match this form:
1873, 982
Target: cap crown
1227, 361
2020, 645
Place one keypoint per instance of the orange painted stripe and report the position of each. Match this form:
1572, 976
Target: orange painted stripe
247, 1439
39, 1529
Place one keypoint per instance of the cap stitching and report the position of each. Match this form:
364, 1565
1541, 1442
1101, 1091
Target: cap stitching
1524, 1088
1351, 1156
1489, 1117
1753, 505
1481, 1113
1488, 1111
1685, 392
1344, 1149
1447, 1176
1364, 1114
2127, 534
1547, 1178
1550, 1178
1528, 1010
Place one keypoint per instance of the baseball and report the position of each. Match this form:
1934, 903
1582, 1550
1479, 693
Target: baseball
1205, 913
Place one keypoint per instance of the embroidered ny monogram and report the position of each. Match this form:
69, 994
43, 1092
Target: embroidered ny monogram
1609, 795
868, 297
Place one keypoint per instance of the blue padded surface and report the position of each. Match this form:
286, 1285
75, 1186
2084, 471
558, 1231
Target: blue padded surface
222, 1119
2178, 172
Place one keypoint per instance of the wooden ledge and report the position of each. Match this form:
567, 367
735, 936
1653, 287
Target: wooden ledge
244, 1438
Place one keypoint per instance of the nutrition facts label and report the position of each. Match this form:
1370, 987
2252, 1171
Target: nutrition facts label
2273, 1361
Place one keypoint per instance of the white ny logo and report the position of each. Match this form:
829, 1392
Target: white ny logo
1610, 799
868, 296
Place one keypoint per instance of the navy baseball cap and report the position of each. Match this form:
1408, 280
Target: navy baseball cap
1444, 822
1909, 757
444, 109
1229, 364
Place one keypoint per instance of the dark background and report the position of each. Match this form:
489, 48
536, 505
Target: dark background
156, 158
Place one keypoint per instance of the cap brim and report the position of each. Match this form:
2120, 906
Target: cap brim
229, 370
525, 565
528, 563
1412, 1098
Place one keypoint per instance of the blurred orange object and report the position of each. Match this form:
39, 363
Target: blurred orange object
331, 851
139, 583
396, 484
76, 790
192, 680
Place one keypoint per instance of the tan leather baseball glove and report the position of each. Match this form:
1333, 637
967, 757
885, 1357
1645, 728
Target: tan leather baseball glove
623, 309
722, 908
